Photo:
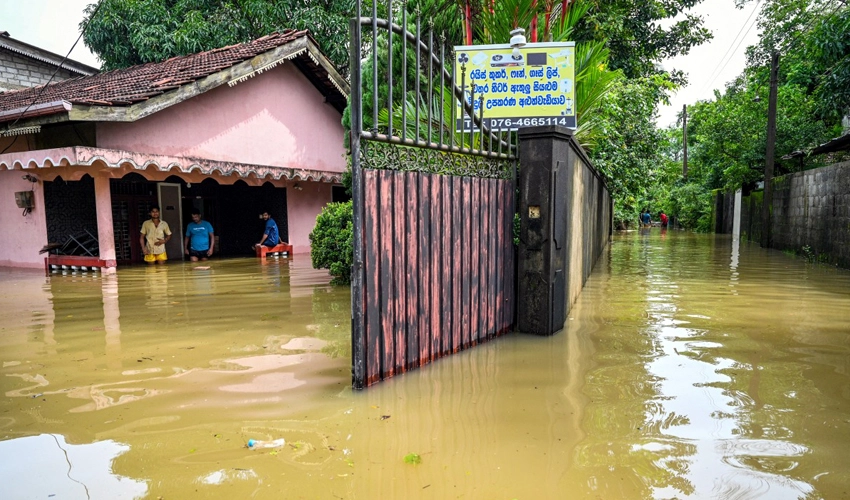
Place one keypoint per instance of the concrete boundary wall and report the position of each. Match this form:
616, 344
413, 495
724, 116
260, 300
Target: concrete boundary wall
565, 224
810, 214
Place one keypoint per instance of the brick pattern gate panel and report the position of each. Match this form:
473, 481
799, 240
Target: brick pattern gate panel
438, 267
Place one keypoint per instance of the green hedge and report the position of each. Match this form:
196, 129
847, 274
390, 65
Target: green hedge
331, 242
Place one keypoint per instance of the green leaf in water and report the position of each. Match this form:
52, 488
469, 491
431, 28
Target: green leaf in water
412, 458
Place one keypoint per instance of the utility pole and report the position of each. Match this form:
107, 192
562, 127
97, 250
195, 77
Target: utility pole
767, 200
685, 141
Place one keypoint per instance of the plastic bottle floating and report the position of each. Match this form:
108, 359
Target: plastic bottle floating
256, 444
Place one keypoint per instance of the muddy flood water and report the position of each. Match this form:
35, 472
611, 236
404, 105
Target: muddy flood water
691, 366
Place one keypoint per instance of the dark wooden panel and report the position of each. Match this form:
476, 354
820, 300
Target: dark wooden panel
465, 261
507, 249
399, 255
497, 263
457, 259
486, 264
437, 263
425, 263
372, 245
412, 214
492, 258
476, 271
510, 283
387, 274
490, 245
447, 243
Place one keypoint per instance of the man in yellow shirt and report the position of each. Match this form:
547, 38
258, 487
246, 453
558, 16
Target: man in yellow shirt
154, 235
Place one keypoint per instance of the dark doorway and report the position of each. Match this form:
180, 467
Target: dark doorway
132, 197
240, 207
234, 212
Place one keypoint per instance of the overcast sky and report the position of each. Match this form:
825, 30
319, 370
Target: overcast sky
54, 25
706, 65
49, 24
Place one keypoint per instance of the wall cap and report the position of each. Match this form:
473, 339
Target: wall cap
542, 131
564, 134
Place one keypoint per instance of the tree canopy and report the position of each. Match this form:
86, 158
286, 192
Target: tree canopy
129, 32
727, 134
811, 36
634, 32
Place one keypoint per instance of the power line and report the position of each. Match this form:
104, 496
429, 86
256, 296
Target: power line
42, 89
716, 72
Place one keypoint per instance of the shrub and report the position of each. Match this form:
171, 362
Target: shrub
691, 203
332, 243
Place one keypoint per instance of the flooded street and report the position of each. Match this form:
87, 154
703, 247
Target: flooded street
691, 366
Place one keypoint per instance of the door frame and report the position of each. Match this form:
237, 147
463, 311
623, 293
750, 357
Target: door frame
176, 226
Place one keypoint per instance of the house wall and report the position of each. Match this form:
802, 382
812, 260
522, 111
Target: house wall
23, 236
277, 118
18, 72
303, 207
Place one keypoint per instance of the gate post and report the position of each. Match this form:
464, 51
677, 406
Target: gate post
544, 191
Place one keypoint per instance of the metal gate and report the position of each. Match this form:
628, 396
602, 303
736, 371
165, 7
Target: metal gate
433, 206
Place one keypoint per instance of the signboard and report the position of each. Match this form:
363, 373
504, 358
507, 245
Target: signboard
532, 86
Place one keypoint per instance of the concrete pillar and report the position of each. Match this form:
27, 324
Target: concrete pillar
736, 216
545, 187
105, 229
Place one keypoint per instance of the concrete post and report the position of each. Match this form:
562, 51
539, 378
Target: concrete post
736, 215
105, 229
545, 184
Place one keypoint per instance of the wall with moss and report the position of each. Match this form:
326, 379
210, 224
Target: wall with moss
810, 214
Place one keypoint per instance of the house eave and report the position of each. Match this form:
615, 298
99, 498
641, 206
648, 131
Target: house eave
117, 159
42, 109
45, 56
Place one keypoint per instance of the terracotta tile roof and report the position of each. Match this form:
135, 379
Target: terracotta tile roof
126, 86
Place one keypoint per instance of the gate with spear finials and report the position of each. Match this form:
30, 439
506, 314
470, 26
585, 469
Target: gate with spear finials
433, 206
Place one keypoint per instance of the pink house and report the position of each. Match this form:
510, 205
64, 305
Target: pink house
231, 132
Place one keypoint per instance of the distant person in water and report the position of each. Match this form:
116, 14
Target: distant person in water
200, 239
645, 219
664, 220
271, 236
154, 235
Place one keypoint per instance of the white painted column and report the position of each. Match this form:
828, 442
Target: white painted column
736, 218
105, 229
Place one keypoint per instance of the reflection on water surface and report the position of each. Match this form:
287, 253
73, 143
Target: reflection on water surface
46, 466
690, 367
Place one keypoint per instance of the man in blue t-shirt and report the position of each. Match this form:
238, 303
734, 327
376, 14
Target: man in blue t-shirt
271, 236
199, 240
646, 219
